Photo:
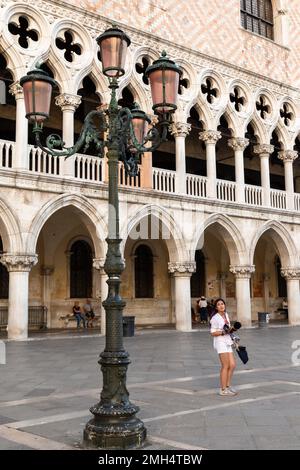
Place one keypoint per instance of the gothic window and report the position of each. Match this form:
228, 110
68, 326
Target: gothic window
198, 277
143, 271
281, 282
4, 277
81, 264
257, 16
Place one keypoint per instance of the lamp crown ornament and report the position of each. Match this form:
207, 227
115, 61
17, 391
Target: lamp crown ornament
126, 134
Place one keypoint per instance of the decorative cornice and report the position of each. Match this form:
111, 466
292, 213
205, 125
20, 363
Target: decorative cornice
290, 272
238, 143
287, 155
180, 129
263, 149
210, 137
98, 263
16, 90
19, 262
188, 267
242, 271
68, 102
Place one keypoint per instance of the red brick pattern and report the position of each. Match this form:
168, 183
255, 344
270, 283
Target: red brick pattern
211, 27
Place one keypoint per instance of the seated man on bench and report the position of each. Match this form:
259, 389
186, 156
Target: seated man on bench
89, 314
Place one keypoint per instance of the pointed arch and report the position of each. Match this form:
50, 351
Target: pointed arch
260, 131
229, 233
282, 240
10, 230
93, 221
173, 235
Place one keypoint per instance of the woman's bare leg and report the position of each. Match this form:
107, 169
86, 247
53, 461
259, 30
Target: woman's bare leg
225, 364
232, 365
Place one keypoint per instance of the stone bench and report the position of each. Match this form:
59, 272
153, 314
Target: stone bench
70, 318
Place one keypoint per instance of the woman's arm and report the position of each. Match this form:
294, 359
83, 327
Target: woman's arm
217, 333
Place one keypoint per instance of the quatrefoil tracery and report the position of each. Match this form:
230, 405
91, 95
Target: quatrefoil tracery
69, 45
22, 30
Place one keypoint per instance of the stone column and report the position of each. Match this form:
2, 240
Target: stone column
68, 104
20, 160
98, 263
264, 151
288, 157
239, 144
266, 279
46, 272
18, 267
182, 273
243, 297
292, 276
180, 130
211, 138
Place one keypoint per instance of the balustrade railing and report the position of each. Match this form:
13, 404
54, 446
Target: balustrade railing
253, 195
164, 180
7, 149
41, 162
278, 199
297, 202
91, 168
88, 168
131, 181
196, 185
226, 190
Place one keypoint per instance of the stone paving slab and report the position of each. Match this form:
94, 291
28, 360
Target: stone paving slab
174, 379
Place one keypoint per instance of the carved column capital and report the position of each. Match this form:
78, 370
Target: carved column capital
242, 271
287, 155
22, 263
289, 272
210, 137
16, 90
263, 150
98, 263
182, 268
238, 143
68, 102
180, 129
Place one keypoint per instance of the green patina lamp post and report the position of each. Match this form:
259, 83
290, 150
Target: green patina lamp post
114, 424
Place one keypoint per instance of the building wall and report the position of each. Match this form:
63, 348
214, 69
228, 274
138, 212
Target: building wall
213, 27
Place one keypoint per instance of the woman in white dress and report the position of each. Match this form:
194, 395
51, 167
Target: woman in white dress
223, 345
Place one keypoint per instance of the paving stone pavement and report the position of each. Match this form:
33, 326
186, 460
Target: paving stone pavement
50, 381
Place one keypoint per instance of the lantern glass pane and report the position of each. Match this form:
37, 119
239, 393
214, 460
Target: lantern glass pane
164, 95
113, 56
37, 97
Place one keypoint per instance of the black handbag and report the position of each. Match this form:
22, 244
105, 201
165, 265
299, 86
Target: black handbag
242, 353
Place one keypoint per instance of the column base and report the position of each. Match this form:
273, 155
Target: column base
114, 432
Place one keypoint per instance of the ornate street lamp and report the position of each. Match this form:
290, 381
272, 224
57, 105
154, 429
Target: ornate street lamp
114, 424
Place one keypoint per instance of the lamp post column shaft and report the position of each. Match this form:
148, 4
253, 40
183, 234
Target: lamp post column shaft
114, 424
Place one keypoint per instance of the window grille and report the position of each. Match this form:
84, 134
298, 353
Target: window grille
257, 16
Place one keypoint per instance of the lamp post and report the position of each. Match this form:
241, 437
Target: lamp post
114, 424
